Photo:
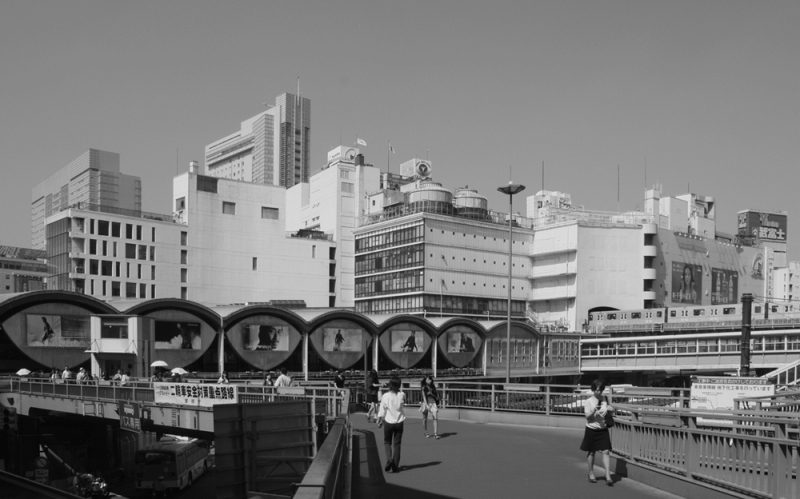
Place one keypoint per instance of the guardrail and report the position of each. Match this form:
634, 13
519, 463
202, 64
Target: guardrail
753, 453
326, 478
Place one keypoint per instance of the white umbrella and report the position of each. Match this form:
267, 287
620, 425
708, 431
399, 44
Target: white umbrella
180, 370
23, 372
158, 363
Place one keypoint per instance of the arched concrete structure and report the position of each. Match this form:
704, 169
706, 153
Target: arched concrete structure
264, 336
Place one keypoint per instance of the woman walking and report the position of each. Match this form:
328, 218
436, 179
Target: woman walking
373, 386
430, 404
596, 437
391, 413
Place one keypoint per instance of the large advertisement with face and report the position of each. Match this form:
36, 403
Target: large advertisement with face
765, 226
175, 335
64, 331
724, 286
687, 283
263, 337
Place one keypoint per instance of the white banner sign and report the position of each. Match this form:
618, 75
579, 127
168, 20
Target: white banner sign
719, 392
204, 395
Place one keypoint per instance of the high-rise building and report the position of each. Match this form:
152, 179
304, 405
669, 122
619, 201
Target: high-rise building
92, 180
273, 147
21, 269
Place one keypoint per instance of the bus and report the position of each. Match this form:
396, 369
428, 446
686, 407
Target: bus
178, 462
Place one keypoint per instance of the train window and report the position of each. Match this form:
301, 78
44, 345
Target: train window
699, 311
728, 310
672, 313
658, 314
612, 317
623, 316
636, 315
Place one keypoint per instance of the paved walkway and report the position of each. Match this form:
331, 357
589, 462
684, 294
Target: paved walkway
481, 461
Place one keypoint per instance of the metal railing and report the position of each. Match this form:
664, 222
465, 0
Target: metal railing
753, 453
326, 479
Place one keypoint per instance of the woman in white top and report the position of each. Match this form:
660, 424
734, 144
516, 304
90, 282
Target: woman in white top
391, 413
596, 437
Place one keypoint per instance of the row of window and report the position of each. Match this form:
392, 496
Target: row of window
779, 343
113, 229
404, 234
114, 269
114, 289
229, 208
29, 266
407, 256
398, 282
522, 351
471, 306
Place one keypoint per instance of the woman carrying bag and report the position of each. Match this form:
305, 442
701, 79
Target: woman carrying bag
430, 404
596, 437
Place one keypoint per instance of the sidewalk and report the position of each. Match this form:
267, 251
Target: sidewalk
480, 461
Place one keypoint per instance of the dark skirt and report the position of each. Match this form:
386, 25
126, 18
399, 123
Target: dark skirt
372, 397
596, 440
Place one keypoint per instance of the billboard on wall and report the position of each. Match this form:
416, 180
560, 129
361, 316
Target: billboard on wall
461, 342
260, 337
174, 335
765, 226
687, 283
336, 339
64, 331
406, 341
724, 286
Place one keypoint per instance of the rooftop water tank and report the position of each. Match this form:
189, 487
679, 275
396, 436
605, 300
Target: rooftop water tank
431, 197
470, 204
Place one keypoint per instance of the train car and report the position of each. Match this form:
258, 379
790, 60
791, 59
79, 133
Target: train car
610, 321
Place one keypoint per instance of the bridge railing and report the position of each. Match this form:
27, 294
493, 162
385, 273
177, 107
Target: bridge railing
326, 479
749, 452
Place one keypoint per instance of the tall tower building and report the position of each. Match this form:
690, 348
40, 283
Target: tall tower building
93, 180
273, 147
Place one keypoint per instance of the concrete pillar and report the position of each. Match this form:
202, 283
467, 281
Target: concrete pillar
221, 351
305, 356
434, 350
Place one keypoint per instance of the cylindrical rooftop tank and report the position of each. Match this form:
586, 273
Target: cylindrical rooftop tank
470, 204
431, 197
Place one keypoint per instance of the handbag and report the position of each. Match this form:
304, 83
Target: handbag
609, 418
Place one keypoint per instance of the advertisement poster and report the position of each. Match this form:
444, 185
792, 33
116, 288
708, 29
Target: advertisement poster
64, 331
461, 342
724, 286
766, 226
406, 341
687, 283
341, 340
204, 395
267, 338
719, 393
178, 335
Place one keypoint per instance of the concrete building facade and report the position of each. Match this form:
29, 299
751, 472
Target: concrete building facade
21, 269
93, 179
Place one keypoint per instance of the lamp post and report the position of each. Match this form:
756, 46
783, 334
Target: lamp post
509, 189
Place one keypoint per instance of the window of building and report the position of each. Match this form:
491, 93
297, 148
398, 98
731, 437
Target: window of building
94, 267
152, 253
184, 238
91, 226
138, 232
91, 286
130, 250
348, 188
102, 228
180, 204
103, 288
115, 226
269, 213
228, 208
184, 257
139, 271
105, 248
184, 294
142, 290
128, 270
114, 249
206, 184
314, 251
153, 234
116, 265
128, 231
130, 290
92, 246
152, 272
184, 275
106, 268
152, 291
142, 252
115, 288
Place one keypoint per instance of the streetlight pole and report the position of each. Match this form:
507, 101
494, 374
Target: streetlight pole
509, 189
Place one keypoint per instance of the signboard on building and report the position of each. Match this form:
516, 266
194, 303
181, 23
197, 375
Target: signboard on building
205, 395
64, 331
687, 283
129, 416
765, 226
719, 393
724, 286
176, 335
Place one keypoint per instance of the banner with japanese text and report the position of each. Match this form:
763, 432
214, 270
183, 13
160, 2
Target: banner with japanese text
129, 417
205, 395
720, 392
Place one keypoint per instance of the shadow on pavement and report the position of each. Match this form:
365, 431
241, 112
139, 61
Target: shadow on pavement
368, 479
445, 435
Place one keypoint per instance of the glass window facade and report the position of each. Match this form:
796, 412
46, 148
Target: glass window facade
393, 259
396, 236
58, 244
385, 284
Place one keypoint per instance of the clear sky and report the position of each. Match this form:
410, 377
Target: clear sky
707, 91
